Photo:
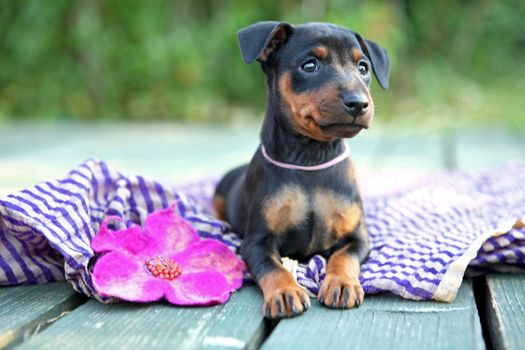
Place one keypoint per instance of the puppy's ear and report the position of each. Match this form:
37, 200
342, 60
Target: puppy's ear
379, 58
259, 40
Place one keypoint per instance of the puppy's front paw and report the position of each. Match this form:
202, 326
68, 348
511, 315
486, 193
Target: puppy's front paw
286, 302
340, 292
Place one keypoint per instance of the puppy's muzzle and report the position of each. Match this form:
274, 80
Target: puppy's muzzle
356, 103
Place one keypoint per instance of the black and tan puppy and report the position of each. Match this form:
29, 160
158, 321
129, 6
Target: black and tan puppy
298, 196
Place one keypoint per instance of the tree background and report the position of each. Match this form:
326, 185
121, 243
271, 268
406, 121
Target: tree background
458, 63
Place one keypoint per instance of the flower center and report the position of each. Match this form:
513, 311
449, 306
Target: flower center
162, 267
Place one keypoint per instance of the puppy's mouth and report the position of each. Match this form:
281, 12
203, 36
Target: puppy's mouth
344, 130
349, 126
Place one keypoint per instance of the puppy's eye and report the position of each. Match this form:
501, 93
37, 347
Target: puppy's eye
310, 66
363, 68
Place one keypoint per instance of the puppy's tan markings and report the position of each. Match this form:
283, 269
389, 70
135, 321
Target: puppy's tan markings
320, 52
342, 263
282, 295
339, 214
356, 55
286, 209
341, 287
304, 107
219, 204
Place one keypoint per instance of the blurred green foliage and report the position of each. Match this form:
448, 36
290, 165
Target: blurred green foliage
454, 62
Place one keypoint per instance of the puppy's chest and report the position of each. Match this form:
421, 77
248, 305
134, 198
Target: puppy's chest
321, 214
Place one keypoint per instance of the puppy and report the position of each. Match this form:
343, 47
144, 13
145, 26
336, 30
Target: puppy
298, 196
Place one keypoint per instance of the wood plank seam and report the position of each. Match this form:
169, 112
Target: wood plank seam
260, 335
41, 322
480, 296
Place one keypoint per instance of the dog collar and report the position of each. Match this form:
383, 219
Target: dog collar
321, 166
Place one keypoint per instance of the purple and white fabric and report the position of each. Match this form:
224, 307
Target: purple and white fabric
425, 230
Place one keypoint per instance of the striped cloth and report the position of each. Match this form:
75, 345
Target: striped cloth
425, 230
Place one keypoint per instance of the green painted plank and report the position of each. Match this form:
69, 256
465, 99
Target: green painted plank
25, 310
170, 153
385, 322
505, 311
398, 149
504, 295
482, 149
237, 324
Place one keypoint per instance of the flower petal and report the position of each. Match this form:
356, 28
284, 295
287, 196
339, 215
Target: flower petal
130, 239
171, 232
210, 270
200, 288
208, 254
118, 274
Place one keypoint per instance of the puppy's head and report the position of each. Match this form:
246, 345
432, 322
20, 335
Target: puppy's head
319, 73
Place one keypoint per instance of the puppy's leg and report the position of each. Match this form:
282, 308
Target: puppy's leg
341, 287
283, 297
228, 200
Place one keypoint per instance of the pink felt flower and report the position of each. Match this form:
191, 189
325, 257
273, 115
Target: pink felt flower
166, 259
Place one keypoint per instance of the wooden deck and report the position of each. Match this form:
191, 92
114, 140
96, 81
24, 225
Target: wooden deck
489, 312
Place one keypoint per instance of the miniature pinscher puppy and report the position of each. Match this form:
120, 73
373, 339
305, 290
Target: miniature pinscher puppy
298, 196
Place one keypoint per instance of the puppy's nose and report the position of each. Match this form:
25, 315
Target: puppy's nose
356, 103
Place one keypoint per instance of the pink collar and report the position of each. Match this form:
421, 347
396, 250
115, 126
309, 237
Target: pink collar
321, 166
